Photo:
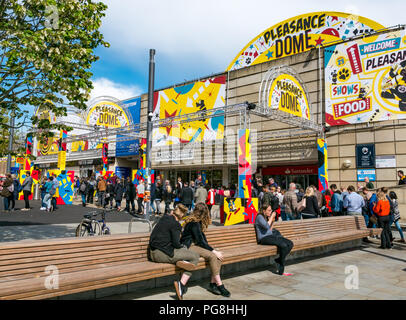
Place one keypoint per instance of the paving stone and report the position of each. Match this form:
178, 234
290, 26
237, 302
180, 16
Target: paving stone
269, 289
301, 295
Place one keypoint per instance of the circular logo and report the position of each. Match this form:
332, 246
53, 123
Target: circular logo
402, 89
365, 150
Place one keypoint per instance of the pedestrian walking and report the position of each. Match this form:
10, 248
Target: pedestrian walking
119, 192
109, 195
91, 185
336, 203
83, 189
27, 188
290, 202
101, 188
311, 207
140, 197
201, 194
129, 195
167, 196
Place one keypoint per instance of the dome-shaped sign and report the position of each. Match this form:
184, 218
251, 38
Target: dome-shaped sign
107, 114
287, 95
300, 34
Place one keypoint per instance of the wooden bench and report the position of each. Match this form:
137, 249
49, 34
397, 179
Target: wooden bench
98, 262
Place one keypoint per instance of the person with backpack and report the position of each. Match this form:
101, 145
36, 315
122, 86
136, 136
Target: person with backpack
271, 199
186, 196
90, 189
83, 191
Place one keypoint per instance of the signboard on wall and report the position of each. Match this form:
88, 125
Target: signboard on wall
366, 79
385, 161
287, 94
300, 34
366, 173
365, 155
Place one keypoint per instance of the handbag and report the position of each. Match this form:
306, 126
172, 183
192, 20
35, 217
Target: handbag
302, 205
373, 219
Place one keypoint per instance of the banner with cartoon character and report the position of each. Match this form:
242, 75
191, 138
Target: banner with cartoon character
64, 193
366, 79
240, 210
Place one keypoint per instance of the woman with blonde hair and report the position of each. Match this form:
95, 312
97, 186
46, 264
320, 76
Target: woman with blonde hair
311, 209
193, 237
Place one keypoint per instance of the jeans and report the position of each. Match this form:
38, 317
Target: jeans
352, 213
289, 216
129, 202
47, 200
6, 203
100, 198
43, 205
83, 199
284, 245
399, 229
158, 204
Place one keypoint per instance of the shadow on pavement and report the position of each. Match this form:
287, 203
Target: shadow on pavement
35, 232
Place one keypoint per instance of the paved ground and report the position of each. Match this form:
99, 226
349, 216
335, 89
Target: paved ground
382, 276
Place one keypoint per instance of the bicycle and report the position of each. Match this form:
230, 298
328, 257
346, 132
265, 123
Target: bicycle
89, 226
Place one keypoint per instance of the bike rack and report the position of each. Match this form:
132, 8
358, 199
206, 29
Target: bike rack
141, 220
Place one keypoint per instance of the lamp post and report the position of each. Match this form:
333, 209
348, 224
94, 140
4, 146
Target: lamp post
149, 124
10, 141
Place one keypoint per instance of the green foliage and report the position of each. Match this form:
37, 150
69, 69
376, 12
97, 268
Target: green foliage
46, 51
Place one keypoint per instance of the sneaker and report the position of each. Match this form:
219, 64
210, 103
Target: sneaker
42, 208
214, 289
186, 265
180, 289
223, 291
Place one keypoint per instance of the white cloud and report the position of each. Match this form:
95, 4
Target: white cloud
106, 87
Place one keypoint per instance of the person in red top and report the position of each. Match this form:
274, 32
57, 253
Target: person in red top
210, 198
382, 211
327, 195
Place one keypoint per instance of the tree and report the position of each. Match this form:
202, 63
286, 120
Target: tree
46, 51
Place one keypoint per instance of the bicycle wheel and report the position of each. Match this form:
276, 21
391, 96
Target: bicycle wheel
96, 227
82, 230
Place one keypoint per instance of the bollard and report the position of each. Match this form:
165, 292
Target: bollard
36, 191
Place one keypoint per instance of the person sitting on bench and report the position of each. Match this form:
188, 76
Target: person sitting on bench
267, 235
165, 247
194, 238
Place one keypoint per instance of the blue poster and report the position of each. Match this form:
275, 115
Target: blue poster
363, 173
130, 147
123, 172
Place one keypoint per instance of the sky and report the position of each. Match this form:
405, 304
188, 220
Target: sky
194, 39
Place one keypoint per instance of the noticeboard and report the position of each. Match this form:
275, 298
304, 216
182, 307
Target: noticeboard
365, 155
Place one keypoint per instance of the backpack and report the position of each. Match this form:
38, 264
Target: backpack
83, 187
272, 200
53, 189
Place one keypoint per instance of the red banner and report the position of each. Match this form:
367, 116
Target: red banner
290, 170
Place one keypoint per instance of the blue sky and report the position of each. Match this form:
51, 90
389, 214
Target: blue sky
197, 38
